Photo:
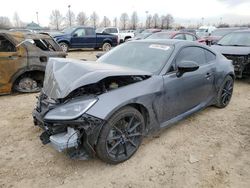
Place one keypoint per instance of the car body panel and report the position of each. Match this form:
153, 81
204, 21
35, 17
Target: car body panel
26, 57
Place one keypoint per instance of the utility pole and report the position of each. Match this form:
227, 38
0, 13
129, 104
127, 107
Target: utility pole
69, 15
37, 18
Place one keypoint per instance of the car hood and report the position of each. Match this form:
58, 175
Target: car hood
232, 50
63, 76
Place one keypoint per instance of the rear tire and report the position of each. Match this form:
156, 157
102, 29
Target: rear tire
225, 92
64, 46
121, 136
106, 46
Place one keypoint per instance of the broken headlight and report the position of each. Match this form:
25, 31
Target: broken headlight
70, 110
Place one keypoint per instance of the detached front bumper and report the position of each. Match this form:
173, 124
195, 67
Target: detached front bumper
77, 137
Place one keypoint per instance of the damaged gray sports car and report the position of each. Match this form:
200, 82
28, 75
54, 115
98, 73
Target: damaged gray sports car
105, 108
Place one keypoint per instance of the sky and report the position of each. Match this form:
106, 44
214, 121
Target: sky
183, 11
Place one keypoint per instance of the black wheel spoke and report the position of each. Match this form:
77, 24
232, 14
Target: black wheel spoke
132, 143
131, 121
114, 146
114, 138
118, 151
125, 149
134, 135
134, 127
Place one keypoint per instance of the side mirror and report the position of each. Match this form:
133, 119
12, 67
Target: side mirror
186, 66
75, 35
98, 55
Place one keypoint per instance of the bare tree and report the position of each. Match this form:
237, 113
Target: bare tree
166, 21
105, 22
155, 21
134, 20
149, 21
56, 19
4, 22
169, 21
70, 18
124, 19
94, 18
16, 20
82, 18
115, 22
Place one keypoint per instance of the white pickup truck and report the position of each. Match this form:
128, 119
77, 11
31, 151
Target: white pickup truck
122, 36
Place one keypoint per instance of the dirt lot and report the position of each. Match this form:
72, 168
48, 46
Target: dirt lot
209, 149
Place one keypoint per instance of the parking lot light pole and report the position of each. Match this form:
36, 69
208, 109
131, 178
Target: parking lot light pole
69, 15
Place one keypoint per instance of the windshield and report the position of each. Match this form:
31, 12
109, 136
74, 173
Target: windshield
221, 32
160, 36
149, 57
236, 39
68, 30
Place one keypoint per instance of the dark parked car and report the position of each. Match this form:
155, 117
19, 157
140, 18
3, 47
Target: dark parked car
105, 108
144, 34
85, 37
217, 34
236, 47
175, 35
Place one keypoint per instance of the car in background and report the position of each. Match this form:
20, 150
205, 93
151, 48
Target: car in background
85, 37
236, 47
205, 31
23, 58
175, 35
193, 31
217, 34
145, 33
122, 35
105, 108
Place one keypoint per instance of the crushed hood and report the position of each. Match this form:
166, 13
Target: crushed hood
232, 50
63, 76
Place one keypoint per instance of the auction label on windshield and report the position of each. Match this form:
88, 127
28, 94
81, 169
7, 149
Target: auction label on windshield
160, 46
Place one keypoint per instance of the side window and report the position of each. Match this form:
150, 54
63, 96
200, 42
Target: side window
179, 36
210, 56
190, 37
195, 54
114, 30
107, 30
89, 31
80, 33
6, 45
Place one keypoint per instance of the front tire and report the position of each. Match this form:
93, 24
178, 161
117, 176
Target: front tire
121, 136
225, 92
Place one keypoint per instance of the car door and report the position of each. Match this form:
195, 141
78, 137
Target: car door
83, 38
192, 90
12, 59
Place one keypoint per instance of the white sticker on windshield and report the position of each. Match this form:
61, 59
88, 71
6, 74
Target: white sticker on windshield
160, 47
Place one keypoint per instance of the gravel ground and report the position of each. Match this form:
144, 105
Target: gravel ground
208, 149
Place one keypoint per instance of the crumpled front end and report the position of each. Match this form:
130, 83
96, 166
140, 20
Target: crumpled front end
77, 137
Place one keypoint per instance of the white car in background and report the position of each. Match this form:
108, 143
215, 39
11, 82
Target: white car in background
122, 35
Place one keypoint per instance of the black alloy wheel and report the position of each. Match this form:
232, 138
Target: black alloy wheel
121, 136
225, 93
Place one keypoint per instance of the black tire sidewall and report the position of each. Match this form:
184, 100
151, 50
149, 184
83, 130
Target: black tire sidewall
101, 144
219, 103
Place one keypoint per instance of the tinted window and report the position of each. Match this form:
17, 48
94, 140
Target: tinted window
195, 54
236, 39
210, 56
113, 30
143, 56
179, 36
80, 33
6, 45
89, 31
190, 37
